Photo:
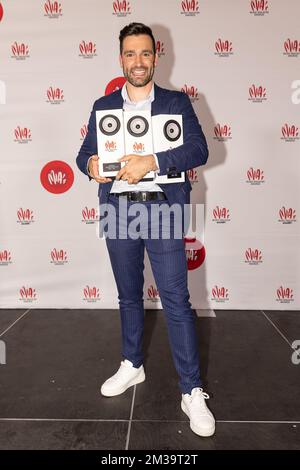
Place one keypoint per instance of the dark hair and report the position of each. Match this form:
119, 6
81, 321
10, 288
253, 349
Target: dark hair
134, 29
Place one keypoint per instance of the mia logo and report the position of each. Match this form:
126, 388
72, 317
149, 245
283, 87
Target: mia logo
189, 7
191, 91
259, 7
91, 294
110, 146
57, 177
58, 257
287, 215
195, 253
222, 133
22, 135
25, 216
114, 85
27, 294
83, 132
284, 295
1, 12
153, 294
20, 51
255, 177
257, 94
121, 8
223, 48
138, 147
160, 48
87, 49
291, 47
53, 10
55, 95
5, 258
89, 216
219, 294
289, 133
221, 215
253, 256
192, 175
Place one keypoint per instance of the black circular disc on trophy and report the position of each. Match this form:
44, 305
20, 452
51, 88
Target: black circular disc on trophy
172, 130
109, 124
137, 126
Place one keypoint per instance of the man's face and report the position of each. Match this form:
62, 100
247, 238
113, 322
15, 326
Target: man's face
138, 60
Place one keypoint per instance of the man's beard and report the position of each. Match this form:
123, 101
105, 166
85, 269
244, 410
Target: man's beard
139, 81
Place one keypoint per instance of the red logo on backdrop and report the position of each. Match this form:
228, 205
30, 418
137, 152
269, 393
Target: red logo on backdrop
287, 215
285, 295
20, 51
28, 294
114, 85
153, 294
160, 48
255, 177
25, 216
5, 258
290, 133
223, 48
192, 175
91, 294
87, 49
83, 131
57, 177
89, 216
121, 8
259, 7
253, 256
221, 215
219, 294
195, 253
55, 95
191, 91
189, 7
53, 9
292, 47
22, 135
139, 147
222, 133
110, 146
257, 94
1, 12
58, 257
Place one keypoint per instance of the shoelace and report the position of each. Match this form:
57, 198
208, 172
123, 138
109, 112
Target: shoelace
198, 392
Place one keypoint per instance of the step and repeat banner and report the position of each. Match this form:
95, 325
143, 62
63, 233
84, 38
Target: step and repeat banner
239, 63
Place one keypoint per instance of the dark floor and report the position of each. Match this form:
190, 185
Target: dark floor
56, 361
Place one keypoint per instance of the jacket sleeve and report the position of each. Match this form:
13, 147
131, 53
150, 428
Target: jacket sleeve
89, 145
194, 151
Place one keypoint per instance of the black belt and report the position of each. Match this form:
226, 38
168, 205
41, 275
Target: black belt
142, 195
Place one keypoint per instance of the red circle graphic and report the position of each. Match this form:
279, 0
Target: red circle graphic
195, 252
114, 84
57, 177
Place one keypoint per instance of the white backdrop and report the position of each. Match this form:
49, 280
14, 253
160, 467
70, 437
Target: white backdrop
238, 60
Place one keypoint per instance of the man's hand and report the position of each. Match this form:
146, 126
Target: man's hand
93, 170
136, 168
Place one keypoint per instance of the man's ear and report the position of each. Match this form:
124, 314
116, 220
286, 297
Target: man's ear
120, 61
155, 59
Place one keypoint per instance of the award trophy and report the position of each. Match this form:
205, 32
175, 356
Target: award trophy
110, 141
138, 136
167, 134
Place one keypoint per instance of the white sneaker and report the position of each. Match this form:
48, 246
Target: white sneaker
202, 421
125, 377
